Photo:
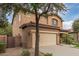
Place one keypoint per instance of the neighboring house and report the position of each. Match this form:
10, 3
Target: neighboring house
24, 26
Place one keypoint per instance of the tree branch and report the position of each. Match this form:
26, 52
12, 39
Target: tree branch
45, 11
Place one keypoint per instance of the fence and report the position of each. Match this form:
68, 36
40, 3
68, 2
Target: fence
11, 41
3, 38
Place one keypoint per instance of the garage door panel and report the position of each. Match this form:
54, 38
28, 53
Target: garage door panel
46, 39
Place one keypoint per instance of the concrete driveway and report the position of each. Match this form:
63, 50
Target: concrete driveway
56, 50
61, 50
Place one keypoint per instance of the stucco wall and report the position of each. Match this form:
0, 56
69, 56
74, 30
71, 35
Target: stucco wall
47, 38
28, 37
59, 21
15, 26
21, 19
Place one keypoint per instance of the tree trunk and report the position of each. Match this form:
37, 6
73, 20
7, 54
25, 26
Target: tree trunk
37, 36
14, 14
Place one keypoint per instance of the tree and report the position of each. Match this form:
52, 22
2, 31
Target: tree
3, 23
5, 26
39, 9
67, 38
76, 25
6, 29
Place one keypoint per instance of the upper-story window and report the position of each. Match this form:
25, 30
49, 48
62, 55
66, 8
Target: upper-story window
54, 22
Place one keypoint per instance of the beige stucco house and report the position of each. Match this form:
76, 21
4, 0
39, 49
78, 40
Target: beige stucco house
24, 26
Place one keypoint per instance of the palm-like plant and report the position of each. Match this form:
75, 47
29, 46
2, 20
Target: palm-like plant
39, 9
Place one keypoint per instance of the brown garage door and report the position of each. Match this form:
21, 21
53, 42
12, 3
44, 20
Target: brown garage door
46, 39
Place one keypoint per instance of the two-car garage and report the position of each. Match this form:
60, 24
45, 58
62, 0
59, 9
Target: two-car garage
46, 39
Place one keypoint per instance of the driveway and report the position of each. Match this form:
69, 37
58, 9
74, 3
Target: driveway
64, 50
57, 50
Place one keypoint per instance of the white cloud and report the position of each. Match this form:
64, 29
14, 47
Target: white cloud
67, 24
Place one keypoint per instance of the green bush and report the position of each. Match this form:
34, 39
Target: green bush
67, 39
2, 47
25, 53
6, 30
76, 45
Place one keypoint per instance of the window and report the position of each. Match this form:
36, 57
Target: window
54, 22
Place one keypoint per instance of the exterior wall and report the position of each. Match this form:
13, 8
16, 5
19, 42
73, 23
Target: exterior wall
26, 38
22, 19
58, 38
31, 17
26, 34
15, 26
59, 21
49, 31
18, 41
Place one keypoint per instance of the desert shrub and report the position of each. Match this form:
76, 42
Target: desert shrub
25, 52
67, 39
2, 47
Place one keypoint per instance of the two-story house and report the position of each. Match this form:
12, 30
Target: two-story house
24, 25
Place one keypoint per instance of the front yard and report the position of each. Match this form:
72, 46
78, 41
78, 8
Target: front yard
57, 50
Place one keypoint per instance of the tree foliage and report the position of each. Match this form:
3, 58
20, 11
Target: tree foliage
42, 8
39, 9
7, 30
3, 23
76, 25
67, 39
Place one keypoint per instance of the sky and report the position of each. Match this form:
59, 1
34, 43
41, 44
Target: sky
70, 15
